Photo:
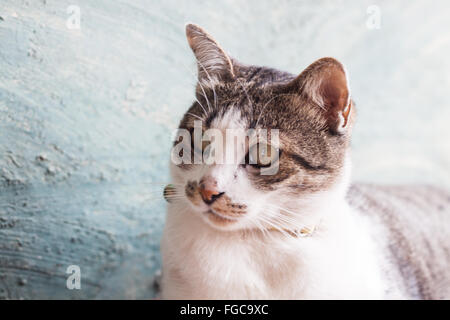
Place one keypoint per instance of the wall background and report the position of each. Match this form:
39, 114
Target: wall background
86, 117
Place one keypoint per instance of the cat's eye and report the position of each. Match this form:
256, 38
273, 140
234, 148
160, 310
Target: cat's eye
200, 148
203, 146
262, 155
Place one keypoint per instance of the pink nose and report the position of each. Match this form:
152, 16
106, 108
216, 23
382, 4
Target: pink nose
208, 190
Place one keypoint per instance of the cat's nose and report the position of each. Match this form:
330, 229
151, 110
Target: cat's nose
208, 190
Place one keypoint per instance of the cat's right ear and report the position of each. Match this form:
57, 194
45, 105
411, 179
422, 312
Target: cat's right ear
325, 83
212, 61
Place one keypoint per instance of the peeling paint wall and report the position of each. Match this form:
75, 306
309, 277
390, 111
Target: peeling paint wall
86, 117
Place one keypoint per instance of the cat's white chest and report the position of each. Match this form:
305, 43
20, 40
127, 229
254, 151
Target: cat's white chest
200, 263
224, 270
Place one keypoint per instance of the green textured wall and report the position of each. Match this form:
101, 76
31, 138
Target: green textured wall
86, 117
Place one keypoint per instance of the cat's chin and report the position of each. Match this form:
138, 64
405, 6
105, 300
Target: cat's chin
220, 222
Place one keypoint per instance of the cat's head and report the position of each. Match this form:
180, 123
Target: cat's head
311, 114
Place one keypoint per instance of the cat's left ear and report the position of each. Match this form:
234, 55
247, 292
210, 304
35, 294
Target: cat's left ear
325, 83
212, 61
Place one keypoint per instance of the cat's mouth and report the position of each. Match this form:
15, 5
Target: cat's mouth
218, 218
219, 210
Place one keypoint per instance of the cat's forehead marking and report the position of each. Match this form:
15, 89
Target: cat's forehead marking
231, 119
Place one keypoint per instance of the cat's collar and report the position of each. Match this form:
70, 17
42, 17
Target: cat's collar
297, 233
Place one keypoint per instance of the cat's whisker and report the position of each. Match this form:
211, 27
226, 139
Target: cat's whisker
161, 197
279, 215
159, 187
196, 116
175, 198
210, 79
263, 230
203, 108
266, 220
201, 86
257, 225
275, 226
283, 209
245, 91
201, 105
153, 183
204, 95
152, 199
286, 221
153, 192
284, 217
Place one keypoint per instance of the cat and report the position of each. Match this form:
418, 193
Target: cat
303, 232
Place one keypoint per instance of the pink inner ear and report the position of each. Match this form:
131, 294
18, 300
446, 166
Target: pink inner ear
334, 90
324, 83
335, 94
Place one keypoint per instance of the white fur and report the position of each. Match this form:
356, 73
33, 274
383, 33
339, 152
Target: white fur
203, 261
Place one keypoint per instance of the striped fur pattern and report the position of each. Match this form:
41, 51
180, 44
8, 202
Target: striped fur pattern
369, 242
412, 228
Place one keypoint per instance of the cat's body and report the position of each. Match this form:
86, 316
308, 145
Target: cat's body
230, 265
410, 226
392, 243
233, 232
